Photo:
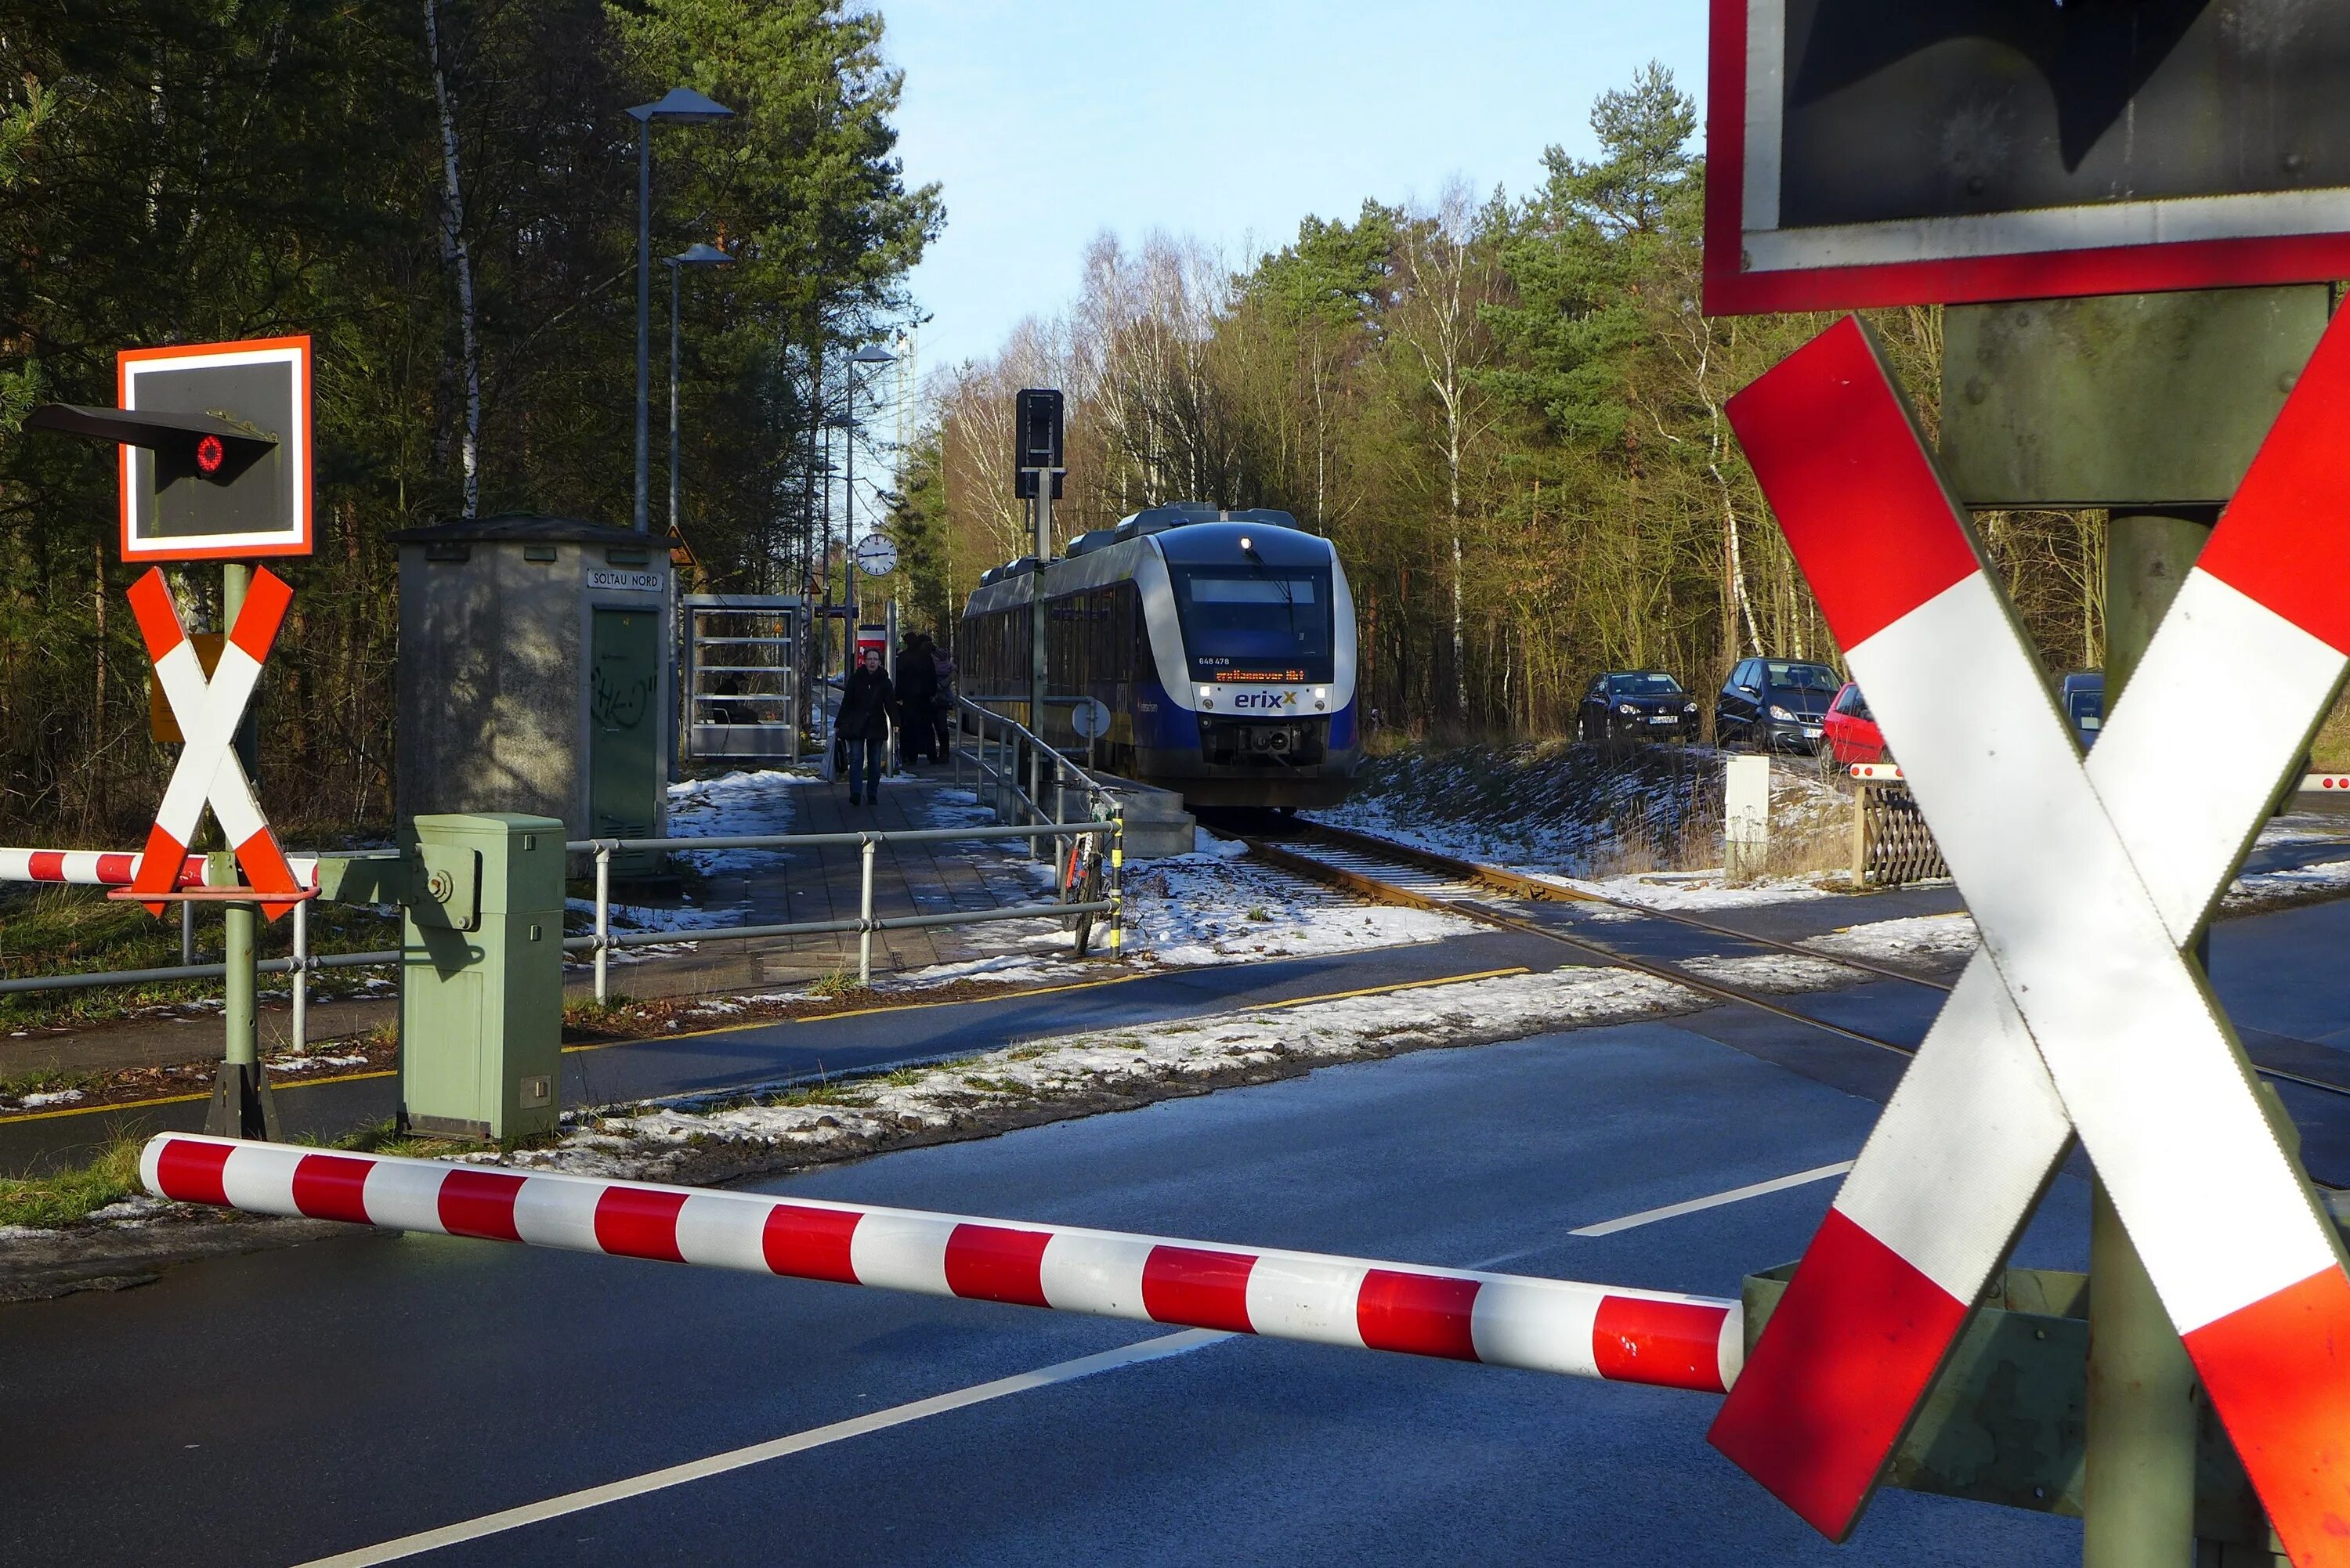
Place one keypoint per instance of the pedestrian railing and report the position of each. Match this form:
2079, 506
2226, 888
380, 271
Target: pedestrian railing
604, 941
1015, 762
1106, 835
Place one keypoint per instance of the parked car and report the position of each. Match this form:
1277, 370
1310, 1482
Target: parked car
2082, 695
1775, 704
1646, 703
1850, 729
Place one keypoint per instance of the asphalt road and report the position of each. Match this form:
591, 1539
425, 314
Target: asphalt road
284, 1406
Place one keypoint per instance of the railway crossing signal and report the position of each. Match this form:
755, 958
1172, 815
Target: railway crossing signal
1860, 154
2079, 1017
208, 710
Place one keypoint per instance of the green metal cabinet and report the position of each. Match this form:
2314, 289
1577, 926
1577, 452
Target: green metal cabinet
481, 1006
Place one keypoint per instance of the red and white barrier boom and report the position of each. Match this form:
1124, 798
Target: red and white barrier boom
2080, 1016
1501, 1320
114, 868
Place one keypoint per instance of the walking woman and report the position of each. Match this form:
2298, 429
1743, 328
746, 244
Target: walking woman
864, 723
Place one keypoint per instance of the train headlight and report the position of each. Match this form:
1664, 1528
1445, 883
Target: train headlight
1321, 696
1207, 696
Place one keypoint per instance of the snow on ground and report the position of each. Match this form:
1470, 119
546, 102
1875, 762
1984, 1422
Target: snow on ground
2325, 879
1208, 907
1707, 889
1771, 973
644, 1142
1920, 935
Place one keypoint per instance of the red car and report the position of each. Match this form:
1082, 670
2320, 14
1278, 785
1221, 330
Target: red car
1850, 730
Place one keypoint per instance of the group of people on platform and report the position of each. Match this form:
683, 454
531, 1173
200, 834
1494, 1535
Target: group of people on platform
919, 706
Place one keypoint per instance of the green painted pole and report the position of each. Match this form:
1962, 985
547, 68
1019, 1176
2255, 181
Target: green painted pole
2138, 1492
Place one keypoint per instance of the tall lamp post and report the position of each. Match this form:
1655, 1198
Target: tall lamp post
695, 256
684, 106
871, 354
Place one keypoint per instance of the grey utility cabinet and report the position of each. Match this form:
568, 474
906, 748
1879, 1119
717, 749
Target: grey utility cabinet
537, 673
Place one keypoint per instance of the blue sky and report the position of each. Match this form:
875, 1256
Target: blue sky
1049, 120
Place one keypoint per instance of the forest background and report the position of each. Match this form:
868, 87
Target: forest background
1507, 409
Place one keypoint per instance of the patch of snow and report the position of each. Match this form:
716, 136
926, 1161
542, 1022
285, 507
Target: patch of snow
1771, 973
1699, 889
130, 1211
306, 1064
1919, 936
53, 1097
638, 1142
2255, 888
23, 1234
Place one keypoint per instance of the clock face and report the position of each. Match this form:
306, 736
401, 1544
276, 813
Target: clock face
877, 556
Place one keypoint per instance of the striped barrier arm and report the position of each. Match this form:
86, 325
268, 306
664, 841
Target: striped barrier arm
116, 868
1498, 1320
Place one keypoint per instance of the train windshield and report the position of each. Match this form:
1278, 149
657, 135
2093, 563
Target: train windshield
1255, 624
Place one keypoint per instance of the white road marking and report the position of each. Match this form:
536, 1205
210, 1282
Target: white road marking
1134, 1354
489, 1524
1697, 1205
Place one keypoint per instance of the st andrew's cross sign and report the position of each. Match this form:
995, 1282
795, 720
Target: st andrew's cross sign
1865, 152
2080, 1017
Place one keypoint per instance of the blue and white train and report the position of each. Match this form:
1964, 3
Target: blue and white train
1223, 644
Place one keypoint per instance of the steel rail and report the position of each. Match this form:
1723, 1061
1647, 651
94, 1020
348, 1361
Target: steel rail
1472, 871
1524, 886
1387, 892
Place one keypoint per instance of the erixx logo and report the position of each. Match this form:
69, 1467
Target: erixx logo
1273, 700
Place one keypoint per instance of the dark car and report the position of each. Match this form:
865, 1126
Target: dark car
1625, 704
2082, 698
1850, 729
1775, 704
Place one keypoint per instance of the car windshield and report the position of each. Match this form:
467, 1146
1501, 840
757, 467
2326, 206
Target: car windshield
1783, 675
1258, 624
1648, 683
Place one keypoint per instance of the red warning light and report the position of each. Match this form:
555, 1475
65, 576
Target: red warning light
208, 455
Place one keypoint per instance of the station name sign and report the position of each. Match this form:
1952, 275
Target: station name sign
1862, 154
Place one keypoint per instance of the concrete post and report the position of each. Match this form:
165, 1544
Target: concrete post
864, 912
2139, 1493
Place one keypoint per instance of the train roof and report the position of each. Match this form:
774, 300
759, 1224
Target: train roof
1186, 535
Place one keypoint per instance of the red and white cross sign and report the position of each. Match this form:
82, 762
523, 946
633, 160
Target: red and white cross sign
2080, 1016
209, 711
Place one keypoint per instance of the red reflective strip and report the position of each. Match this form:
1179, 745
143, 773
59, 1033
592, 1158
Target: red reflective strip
1848, 1355
994, 1264
1419, 1315
1198, 1288
191, 871
159, 867
2299, 488
115, 869
480, 1203
46, 866
1837, 453
809, 1243
194, 1172
265, 598
265, 868
332, 1187
631, 1222
158, 618
1666, 1345
2278, 1372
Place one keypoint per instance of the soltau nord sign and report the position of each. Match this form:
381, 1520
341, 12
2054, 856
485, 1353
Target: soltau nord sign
1877, 153
2081, 1017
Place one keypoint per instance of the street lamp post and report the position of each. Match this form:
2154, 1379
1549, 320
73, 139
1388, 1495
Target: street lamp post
871, 354
684, 106
695, 255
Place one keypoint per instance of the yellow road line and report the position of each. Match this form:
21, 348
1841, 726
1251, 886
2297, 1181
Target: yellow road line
770, 1022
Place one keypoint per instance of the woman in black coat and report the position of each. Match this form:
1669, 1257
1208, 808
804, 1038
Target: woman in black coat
864, 723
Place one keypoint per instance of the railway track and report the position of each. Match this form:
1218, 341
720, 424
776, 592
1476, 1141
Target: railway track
1385, 871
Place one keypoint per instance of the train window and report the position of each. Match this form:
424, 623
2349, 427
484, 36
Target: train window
1254, 624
